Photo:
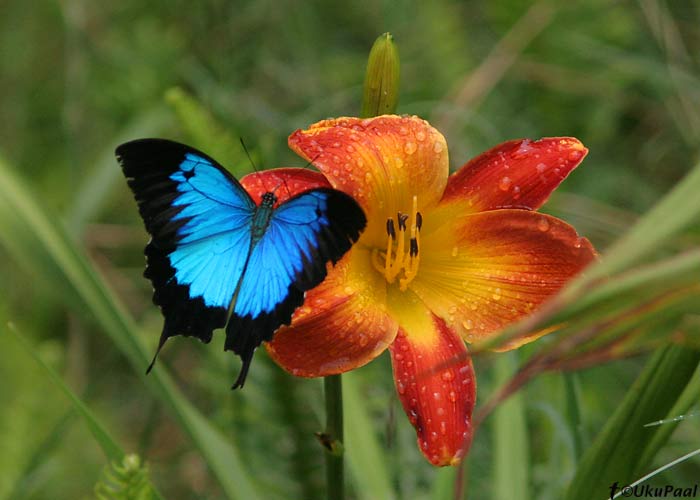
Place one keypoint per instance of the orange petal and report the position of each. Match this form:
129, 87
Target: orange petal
437, 387
381, 162
342, 324
481, 272
284, 182
515, 174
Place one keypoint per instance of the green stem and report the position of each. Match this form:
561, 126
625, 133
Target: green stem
333, 437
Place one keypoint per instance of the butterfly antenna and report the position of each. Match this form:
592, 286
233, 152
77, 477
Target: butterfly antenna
252, 163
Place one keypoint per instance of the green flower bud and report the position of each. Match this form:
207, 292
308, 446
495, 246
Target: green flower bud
381, 90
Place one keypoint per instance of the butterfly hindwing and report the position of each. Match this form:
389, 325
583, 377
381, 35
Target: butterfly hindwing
199, 218
303, 235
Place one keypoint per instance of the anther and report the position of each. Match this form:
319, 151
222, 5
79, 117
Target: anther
414, 247
419, 220
402, 221
390, 228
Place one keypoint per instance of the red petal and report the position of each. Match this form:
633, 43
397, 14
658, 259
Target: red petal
483, 271
515, 174
382, 162
284, 182
342, 324
437, 387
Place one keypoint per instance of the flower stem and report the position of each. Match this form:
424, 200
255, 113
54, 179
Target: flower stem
332, 438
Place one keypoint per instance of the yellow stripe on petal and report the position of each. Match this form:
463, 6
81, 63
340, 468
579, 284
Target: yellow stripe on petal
342, 325
487, 270
437, 388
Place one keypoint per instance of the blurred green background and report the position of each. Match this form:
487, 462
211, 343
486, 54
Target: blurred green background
77, 78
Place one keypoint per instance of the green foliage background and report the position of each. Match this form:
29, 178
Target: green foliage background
77, 78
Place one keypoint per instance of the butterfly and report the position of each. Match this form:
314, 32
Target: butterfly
217, 259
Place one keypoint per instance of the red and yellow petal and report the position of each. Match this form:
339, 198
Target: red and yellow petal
481, 272
284, 182
342, 325
435, 380
381, 162
515, 174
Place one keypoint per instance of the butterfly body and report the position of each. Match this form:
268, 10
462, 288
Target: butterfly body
216, 258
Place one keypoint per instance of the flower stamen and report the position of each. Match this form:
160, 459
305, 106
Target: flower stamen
400, 260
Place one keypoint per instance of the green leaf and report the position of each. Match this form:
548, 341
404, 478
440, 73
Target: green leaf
39, 241
511, 452
615, 453
365, 458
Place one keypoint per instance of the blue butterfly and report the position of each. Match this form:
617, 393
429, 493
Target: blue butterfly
217, 259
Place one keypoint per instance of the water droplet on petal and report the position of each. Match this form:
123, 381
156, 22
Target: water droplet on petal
575, 155
541, 167
543, 225
420, 135
410, 147
447, 376
455, 251
438, 147
504, 184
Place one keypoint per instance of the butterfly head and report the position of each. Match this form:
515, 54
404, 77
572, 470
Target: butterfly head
268, 199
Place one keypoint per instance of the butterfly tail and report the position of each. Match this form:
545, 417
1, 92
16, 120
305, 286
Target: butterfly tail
161, 343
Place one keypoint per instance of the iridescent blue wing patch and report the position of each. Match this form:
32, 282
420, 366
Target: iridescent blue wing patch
212, 245
302, 235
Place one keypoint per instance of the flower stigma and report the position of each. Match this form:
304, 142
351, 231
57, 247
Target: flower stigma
397, 259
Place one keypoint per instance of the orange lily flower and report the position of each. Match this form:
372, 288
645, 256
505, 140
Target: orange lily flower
444, 259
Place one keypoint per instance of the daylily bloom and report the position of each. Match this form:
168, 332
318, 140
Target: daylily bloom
444, 259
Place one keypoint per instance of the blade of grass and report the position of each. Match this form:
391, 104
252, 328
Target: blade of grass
108, 445
40, 241
511, 453
93, 191
365, 459
684, 402
615, 453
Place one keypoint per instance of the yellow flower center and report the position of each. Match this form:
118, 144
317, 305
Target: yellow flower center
399, 259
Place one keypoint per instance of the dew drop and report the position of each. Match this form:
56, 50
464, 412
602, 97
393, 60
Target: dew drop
368, 177
336, 144
496, 294
452, 396
541, 167
401, 388
436, 396
438, 147
543, 225
398, 162
447, 376
420, 135
455, 251
410, 147
504, 184
433, 438
403, 131
516, 192
575, 155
